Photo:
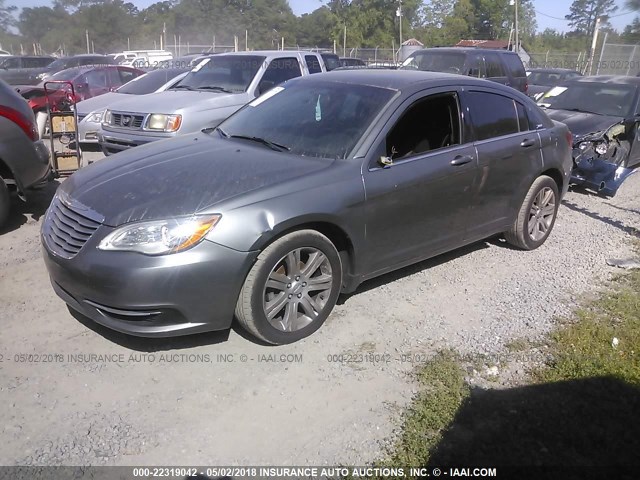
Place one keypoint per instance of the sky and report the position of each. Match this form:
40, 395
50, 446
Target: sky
545, 10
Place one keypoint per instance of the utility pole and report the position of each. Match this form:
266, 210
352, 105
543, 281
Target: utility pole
86, 34
593, 44
399, 15
517, 50
344, 42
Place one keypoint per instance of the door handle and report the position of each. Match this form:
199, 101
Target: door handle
527, 143
461, 160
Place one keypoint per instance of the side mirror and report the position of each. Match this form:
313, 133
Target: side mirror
265, 86
632, 119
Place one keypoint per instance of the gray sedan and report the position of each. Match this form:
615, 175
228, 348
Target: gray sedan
309, 190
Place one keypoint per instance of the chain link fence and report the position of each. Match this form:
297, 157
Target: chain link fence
617, 59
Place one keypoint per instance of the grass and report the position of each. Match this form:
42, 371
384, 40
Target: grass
590, 372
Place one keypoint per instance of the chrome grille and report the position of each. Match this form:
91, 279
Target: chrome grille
65, 230
126, 120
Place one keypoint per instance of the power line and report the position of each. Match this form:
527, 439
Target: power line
564, 19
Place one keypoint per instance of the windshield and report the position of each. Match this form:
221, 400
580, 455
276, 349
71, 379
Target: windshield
310, 118
451, 62
548, 79
600, 98
150, 82
59, 64
228, 72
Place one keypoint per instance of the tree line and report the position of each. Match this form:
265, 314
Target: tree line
115, 25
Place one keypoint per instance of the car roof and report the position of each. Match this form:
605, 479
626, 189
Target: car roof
467, 49
263, 53
405, 79
551, 70
619, 79
86, 68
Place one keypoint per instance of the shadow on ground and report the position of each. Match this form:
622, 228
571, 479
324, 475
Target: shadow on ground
592, 422
36, 205
629, 229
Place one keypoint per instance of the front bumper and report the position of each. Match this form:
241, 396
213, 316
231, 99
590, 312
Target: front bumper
114, 142
151, 296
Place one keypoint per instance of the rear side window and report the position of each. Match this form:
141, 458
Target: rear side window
492, 115
514, 64
493, 65
476, 66
313, 64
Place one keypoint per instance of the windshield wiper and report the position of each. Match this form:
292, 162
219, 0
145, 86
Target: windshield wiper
186, 87
219, 89
272, 145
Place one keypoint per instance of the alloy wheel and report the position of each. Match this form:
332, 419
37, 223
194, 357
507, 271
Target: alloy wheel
542, 213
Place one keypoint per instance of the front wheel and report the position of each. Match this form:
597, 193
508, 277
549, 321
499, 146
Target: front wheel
536, 216
291, 289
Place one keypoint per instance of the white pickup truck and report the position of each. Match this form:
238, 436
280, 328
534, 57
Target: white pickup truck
215, 88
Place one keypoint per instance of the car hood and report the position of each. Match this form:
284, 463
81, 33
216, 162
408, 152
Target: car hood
181, 101
181, 176
100, 102
581, 123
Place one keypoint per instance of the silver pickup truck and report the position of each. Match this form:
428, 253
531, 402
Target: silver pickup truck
215, 88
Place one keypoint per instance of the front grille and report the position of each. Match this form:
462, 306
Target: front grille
127, 120
66, 230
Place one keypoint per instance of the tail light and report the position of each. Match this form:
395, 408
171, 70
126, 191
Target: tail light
569, 137
526, 86
26, 124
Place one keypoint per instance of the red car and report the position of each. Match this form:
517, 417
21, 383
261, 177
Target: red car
87, 82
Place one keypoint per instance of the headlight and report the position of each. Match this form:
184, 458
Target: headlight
584, 145
601, 148
42, 76
106, 118
161, 236
94, 117
164, 123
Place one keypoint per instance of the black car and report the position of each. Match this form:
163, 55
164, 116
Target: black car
38, 75
603, 113
18, 70
500, 66
542, 79
269, 217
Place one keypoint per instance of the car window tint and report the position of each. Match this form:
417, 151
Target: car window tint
34, 62
114, 77
476, 66
427, 125
126, 75
493, 115
313, 64
493, 65
11, 63
96, 78
523, 119
280, 70
514, 65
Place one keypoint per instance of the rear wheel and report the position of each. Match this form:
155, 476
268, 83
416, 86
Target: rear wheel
291, 289
5, 202
536, 216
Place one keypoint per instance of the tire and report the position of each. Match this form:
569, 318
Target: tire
532, 225
5, 202
277, 303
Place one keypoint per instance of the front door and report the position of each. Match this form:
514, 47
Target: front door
418, 182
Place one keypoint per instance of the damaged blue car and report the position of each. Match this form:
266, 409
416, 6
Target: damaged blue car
603, 114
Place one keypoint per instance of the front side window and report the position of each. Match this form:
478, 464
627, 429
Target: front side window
492, 115
427, 125
309, 118
279, 71
313, 64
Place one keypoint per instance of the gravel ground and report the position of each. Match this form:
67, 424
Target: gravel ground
183, 401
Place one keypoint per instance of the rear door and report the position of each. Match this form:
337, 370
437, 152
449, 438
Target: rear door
509, 158
418, 198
